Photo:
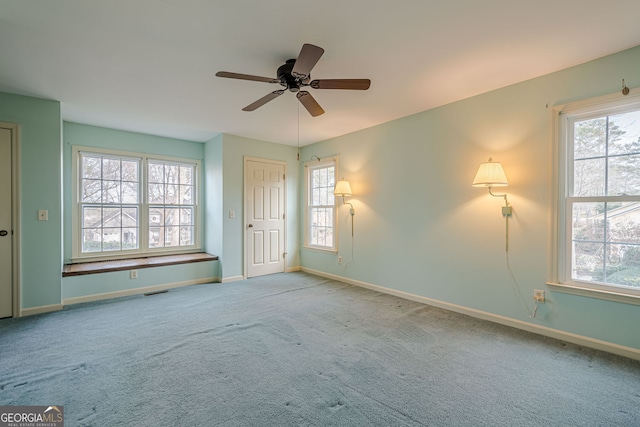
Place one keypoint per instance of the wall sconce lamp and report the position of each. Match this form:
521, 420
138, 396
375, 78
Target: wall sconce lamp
489, 175
343, 189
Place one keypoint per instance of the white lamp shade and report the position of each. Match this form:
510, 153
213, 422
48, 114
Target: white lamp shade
342, 188
490, 174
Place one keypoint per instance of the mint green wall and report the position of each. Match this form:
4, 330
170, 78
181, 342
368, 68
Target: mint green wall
421, 228
40, 188
92, 136
234, 150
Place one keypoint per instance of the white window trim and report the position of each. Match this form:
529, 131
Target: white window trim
142, 251
314, 165
559, 274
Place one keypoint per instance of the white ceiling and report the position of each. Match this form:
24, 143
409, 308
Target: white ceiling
149, 65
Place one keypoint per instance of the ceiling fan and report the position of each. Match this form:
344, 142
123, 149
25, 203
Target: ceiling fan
295, 75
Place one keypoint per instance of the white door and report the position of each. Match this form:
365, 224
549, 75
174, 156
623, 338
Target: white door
264, 217
6, 263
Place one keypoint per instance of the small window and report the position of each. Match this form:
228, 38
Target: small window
599, 199
321, 209
129, 204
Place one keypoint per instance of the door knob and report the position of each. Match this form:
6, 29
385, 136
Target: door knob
3, 233
250, 225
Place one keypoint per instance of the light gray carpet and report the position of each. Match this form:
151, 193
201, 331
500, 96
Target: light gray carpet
297, 349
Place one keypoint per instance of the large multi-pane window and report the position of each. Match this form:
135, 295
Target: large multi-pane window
600, 200
321, 208
133, 204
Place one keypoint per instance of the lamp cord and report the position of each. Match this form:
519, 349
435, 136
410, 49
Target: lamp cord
352, 213
514, 282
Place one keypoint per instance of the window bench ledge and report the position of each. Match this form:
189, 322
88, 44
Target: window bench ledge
83, 268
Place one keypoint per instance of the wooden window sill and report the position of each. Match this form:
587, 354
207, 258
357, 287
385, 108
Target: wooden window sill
80, 269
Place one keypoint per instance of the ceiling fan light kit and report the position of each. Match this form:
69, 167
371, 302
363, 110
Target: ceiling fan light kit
294, 75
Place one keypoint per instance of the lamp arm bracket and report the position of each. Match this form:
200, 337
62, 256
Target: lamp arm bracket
351, 211
506, 202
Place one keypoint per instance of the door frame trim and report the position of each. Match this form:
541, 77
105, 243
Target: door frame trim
245, 215
15, 215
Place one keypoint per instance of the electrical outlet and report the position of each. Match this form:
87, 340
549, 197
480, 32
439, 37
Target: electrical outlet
340, 260
538, 295
133, 274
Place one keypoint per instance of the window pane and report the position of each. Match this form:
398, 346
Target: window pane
129, 192
112, 217
91, 217
91, 167
623, 223
156, 216
111, 169
589, 177
111, 239
587, 260
624, 133
186, 194
171, 236
172, 194
171, 216
130, 170
186, 175
156, 193
156, 172
130, 217
624, 175
186, 236
155, 237
129, 238
111, 191
186, 216
171, 174
91, 191
590, 137
588, 221
91, 240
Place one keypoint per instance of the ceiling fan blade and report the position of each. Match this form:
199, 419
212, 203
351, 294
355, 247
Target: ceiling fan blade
352, 84
239, 76
260, 102
307, 59
309, 103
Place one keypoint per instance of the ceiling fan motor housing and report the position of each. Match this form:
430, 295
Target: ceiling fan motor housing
286, 78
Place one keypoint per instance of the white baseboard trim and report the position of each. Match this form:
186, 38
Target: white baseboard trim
292, 269
630, 352
232, 279
136, 291
40, 309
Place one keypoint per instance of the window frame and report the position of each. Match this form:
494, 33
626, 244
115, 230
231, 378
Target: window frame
561, 250
143, 249
308, 168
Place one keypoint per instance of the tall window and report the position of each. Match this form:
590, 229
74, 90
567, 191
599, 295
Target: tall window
600, 197
321, 208
171, 204
130, 204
